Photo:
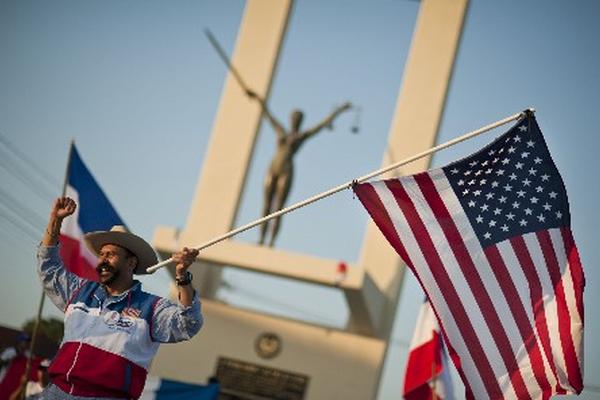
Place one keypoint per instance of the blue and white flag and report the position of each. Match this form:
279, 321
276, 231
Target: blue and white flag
164, 389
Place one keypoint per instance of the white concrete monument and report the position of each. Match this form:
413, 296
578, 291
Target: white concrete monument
258, 356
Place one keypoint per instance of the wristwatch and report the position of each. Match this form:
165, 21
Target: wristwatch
185, 279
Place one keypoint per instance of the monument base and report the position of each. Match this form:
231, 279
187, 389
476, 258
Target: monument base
257, 356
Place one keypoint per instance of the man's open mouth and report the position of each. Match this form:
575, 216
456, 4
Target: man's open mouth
104, 269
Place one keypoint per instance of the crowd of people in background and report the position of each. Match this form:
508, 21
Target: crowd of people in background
14, 384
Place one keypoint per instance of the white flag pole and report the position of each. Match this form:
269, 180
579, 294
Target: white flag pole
349, 185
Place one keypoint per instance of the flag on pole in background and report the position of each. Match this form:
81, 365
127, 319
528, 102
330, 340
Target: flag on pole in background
94, 213
164, 389
426, 374
489, 239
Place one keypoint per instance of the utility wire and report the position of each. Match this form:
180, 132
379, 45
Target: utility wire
35, 179
18, 238
20, 174
403, 343
49, 180
266, 300
20, 226
32, 218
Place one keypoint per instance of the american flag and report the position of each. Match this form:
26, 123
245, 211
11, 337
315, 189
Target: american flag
489, 239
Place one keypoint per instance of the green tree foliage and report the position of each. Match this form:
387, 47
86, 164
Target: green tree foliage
52, 328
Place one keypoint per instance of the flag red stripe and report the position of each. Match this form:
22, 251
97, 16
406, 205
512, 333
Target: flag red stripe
576, 269
70, 252
473, 278
537, 299
454, 356
578, 280
456, 360
451, 352
447, 289
564, 320
518, 311
370, 199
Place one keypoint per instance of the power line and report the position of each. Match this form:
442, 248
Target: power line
403, 343
35, 179
27, 171
28, 161
16, 171
32, 218
266, 300
16, 237
21, 227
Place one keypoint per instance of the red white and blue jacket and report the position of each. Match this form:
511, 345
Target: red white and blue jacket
109, 341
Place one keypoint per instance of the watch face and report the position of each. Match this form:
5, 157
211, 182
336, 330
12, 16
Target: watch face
267, 345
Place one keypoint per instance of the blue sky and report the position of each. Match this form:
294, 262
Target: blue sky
137, 85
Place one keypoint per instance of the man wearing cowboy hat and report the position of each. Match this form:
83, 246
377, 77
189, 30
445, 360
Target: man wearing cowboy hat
112, 328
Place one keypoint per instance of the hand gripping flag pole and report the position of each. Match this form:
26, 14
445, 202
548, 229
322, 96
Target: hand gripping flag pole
349, 185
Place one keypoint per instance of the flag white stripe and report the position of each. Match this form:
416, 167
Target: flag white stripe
522, 352
490, 282
517, 275
71, 228
445, 389
550, 306
568, 285
459, 280
435, 296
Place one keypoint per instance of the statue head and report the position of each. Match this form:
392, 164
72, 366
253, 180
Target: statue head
296, 119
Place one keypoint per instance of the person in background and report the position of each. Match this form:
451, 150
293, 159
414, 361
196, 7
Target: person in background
35, 388
14, 361
32, 390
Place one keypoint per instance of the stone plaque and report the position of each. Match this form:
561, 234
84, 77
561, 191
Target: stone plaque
243, 380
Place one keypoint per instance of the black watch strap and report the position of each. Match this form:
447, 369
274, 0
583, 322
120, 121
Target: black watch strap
184, 280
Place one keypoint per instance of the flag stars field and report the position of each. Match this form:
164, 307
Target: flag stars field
513, 169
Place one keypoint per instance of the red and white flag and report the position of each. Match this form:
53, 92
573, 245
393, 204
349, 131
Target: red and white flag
489, 239
94, 213
427, 376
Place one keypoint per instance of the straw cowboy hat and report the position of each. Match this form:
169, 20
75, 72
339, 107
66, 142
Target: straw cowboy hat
120, 236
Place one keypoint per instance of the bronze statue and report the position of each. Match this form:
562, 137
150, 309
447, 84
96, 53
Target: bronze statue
281, 171
278, 180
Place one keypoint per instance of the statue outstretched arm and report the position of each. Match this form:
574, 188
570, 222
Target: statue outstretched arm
328, 121
277, 126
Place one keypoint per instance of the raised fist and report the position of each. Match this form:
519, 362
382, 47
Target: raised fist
63, 207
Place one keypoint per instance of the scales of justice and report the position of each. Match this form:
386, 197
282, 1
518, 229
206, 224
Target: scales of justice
259, 356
